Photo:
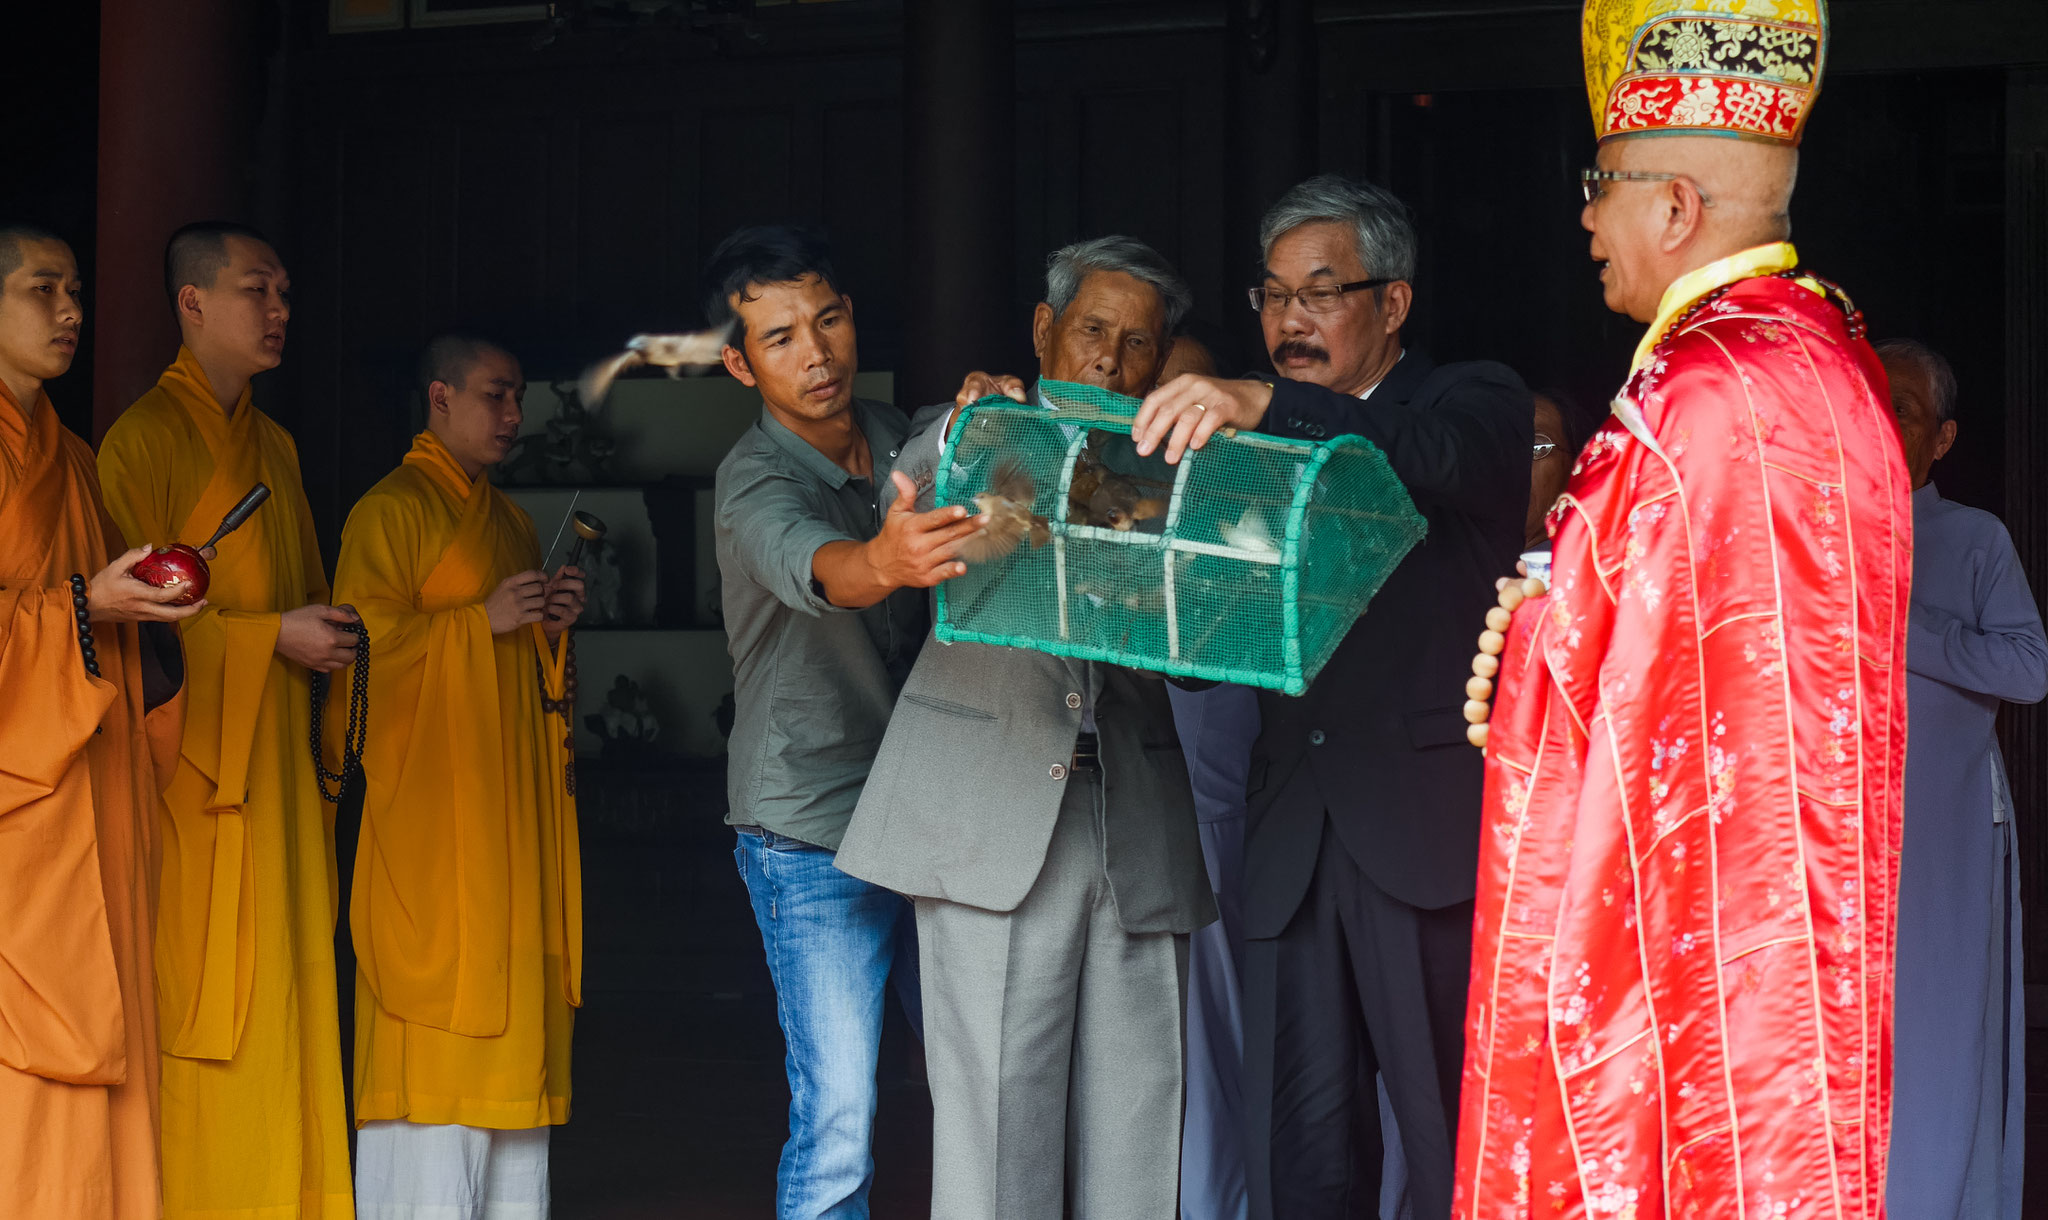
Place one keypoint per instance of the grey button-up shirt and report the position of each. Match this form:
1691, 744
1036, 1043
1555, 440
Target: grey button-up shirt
813, 683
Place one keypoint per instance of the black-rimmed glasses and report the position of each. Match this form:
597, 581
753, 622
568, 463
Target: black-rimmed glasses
1316, 298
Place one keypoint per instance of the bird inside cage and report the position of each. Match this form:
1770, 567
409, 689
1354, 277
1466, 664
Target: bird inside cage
1099, 494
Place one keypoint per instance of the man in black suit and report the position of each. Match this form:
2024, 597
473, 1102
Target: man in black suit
1362, 840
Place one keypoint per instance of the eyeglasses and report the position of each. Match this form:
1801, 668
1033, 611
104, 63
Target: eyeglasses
1543, 448
1590, 180
1316, 298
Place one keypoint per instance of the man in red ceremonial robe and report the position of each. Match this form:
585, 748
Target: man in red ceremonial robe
1682, 970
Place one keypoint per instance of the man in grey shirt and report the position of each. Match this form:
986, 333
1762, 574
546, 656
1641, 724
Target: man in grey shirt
824, 612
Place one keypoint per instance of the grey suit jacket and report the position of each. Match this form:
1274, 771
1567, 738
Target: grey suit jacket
961, 801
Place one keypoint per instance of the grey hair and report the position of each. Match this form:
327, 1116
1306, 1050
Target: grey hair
1932, 367
1379, 222
1068, 266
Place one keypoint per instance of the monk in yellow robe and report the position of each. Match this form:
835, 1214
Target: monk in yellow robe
467, 909
78, 827
253, 1115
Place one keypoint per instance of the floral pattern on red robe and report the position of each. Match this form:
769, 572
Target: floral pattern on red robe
1681, 982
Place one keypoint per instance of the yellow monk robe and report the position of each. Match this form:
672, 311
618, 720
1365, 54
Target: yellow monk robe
253, 1115
467, 907
78, 1042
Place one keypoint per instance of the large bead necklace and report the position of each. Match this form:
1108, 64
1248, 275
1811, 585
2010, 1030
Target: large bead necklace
358, 720
564, 706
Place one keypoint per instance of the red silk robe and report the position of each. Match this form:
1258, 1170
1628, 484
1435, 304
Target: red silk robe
1681, 981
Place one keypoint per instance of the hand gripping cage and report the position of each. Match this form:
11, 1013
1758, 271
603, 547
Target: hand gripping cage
1246, 562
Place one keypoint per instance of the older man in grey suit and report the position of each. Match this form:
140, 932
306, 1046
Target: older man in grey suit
1037, 810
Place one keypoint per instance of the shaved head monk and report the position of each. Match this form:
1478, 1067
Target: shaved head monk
78, 823
253, 1114
465, 988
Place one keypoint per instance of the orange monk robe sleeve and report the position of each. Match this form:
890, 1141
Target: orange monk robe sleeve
430, 908
315, 578
560, 746
317, 589
228, 655
60, 998
227, 652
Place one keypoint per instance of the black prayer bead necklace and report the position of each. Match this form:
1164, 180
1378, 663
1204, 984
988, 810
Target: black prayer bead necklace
80, 610
358, 719
565, 706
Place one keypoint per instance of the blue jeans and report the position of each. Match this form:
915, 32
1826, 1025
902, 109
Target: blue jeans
830, 940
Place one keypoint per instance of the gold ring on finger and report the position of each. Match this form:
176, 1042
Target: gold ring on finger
1201, 407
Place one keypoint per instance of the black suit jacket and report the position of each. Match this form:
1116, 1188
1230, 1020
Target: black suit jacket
1378, 740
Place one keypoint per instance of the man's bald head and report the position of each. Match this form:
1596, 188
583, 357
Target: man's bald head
42, 310
1748, 183
449, 358
474, 389
1714, 196
233, 301
15, 240
198, 253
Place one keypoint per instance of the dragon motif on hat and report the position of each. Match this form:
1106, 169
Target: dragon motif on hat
1745, 68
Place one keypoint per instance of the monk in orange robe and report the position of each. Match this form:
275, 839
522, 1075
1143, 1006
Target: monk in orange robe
467, 908
78, 843
253, 1115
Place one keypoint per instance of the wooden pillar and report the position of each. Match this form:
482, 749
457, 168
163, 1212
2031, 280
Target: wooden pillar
2025, 729
175, 87
959, 193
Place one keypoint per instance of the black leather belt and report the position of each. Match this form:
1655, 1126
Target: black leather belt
1088, 752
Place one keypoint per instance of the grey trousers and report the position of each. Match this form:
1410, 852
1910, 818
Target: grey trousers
1053, 1043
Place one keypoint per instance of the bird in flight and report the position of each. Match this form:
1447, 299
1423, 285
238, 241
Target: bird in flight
692, 352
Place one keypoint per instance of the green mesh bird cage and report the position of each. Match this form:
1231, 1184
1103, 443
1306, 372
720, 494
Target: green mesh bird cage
1246, 562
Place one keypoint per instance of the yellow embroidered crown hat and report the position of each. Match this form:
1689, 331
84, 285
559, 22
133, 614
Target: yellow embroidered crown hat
1746, 68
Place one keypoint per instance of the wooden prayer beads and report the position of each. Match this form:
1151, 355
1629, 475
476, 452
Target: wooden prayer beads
81, 610
1479, 687
565, 707
356, 733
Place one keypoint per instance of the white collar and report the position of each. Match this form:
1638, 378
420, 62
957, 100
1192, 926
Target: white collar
1367, 392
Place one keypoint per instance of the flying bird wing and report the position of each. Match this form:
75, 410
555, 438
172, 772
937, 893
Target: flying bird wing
1250, 533
1012, 482
1007, 504
695, 350
596, 381
981, 548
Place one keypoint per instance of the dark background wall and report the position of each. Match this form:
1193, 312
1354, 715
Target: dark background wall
561, 184
567, 195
